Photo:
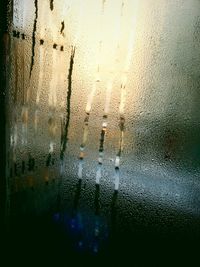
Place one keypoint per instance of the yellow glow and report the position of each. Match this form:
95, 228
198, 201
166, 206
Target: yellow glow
104, 28
90, 98
107, 30
103, 33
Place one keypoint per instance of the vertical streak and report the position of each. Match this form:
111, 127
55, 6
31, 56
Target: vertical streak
83, 144
33, 36
89, 106
51, 3
121, 128
52, 103
64, 138
24, 116
25, 89
62, 27
19, 88
16, 55
103, 131
86, 126
101, 149
123, 97
54, 80
14, 131
109, 88
108, 97
89, 103
24, 96
40, 82
41, 73
118, 156
44, 18
90, 98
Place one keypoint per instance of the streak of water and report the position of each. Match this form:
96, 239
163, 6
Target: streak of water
103, 131
64, 136
124, 79
43, 16
89, 103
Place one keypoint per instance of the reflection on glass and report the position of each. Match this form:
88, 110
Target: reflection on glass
103, 96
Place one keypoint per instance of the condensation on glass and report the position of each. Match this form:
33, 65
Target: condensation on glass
107, 92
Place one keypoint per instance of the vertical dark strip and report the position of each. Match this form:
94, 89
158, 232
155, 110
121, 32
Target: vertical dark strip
16, 73
51, 4
33, 36
102, 139
62, 27
5, 21
64, 137
122, 128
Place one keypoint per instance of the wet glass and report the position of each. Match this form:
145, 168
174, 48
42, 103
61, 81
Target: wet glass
103, 118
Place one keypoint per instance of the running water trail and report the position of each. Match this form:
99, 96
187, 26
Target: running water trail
43, 17
25, 86
122, 105
109, 87
52, 99
91, 98
103, 131
64, 135
34, 37
86, 127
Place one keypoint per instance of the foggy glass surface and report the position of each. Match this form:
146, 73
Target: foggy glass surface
106, 92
